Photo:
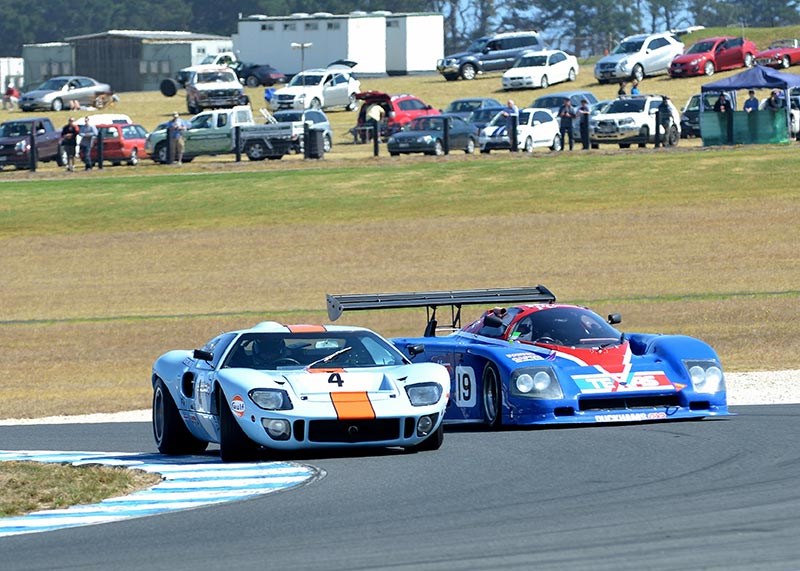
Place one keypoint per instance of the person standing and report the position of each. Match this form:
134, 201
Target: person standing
621, 91
175, 130
88, 135
69, 140
583, 117
722, 105
664, 120
635, 87
774, 102
751, 103
512, 124
10, 97
566, 114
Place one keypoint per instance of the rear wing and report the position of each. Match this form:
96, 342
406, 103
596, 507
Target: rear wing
338, 304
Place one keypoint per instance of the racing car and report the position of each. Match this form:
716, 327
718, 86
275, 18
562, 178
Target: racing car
285, 387
545, 362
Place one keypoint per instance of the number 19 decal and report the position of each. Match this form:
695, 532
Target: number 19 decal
465, 386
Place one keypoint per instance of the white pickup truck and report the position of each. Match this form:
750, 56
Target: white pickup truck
212, 132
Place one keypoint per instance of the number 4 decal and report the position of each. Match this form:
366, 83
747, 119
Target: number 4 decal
465, 386
336, 379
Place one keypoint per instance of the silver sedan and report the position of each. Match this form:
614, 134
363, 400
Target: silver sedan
57, 93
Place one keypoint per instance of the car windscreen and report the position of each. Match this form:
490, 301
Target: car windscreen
426, 124
288, 116
629, 47
348, 349
548, 102
15, 129
566, 326
52, 85
531, 61
305, 79
483, 115
464, 106
216, 76
700, 47
626, 106
478, 45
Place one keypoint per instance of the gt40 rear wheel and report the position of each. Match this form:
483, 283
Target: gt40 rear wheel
172, 436
234, 444
492, 396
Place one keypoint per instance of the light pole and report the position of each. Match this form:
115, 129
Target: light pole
302, 47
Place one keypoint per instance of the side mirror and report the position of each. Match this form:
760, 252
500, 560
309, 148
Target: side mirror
202, 355
415, 350
614, 318
492, 320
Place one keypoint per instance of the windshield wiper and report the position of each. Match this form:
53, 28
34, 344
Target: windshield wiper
330, 357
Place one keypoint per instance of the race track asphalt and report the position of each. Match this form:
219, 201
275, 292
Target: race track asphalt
715, 494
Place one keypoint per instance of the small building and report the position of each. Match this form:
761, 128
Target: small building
363, 37
128, 60
43, 61
413, 42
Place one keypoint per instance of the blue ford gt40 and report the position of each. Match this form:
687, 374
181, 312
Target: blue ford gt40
551, 363
287, 387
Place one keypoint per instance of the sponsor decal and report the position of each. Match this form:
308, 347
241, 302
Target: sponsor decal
465, 394
623, 382
237, 406
524, 357
630, 416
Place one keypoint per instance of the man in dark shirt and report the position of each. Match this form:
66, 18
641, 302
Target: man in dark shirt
566, 114
69, 140
583, 116
722, 105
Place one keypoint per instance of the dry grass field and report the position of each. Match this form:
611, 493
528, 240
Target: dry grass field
103, 271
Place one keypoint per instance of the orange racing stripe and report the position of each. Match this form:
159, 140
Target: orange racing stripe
306, 328
352, 406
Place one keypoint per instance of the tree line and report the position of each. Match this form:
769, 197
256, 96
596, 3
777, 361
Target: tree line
589, 25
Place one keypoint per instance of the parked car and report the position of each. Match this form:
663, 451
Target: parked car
541, 69
632, 120
489, 53
638, 56
253, 74
57, 92
714, 54
319, 121
467, 105
213, 86
122, 143
288, 387
690, 115
482, 117
319, 89
15, 144
426, 135
554, 101
399, 110
545, 363
782, 53
219, 59
535, 128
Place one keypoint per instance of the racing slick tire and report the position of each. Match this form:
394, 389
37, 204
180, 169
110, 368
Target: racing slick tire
433, 442
168, 87
171, 435
234, 444
492, 396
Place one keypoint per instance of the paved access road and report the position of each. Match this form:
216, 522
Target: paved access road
692, 495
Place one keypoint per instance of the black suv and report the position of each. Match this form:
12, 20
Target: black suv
489, 53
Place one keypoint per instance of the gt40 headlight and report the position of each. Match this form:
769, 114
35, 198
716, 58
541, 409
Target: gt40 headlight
424, 394
536, 383
706, 376
271, 399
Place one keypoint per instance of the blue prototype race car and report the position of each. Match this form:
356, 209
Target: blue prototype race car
552, 363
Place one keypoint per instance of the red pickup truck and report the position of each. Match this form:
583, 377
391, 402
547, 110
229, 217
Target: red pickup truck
15, 142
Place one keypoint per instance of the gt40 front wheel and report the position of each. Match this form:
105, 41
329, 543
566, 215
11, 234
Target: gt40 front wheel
234, 444
172, 436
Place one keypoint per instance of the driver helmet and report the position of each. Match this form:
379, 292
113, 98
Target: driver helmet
268, 348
